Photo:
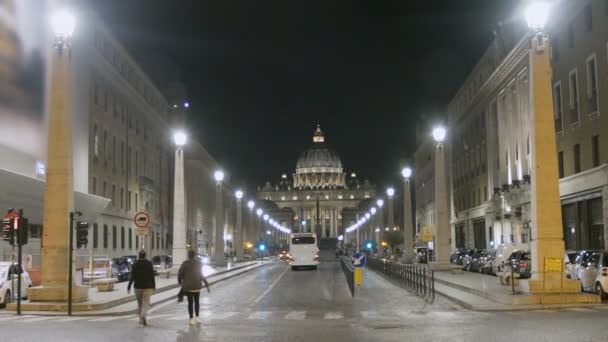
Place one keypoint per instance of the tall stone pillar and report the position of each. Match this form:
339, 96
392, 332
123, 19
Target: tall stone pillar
391, 213
59, 189
238, 230
179, 211
218, 250
442, 215
547, 245
408, 226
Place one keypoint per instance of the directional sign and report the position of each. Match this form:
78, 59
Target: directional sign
141, 219
358, 260
427, 233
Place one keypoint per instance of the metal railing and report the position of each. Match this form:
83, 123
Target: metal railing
419, 279
349, 272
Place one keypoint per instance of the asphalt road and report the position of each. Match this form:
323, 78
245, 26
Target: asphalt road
274, 303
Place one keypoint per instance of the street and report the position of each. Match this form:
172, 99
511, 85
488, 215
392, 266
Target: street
274, 303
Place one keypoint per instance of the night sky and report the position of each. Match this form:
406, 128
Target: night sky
261, 74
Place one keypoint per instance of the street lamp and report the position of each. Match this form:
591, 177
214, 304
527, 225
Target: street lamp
380, 203
266, 217
439, 134
251, 205
63, 24
408, 227
373, 210
238, 231
537, 14
179, 138
259, 212
219, 255
390, 192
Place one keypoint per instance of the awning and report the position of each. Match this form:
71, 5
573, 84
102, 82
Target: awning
20, 191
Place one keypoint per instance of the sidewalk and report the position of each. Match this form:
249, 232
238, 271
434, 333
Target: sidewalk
119, 302
485, 293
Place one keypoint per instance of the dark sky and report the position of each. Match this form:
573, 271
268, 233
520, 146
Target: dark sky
261, 74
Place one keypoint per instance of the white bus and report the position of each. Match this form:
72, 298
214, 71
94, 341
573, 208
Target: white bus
303, 250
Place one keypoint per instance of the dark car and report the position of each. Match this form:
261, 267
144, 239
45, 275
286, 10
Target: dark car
121, 268
162, 262
477, 261
520, 263
462, 255
454, 256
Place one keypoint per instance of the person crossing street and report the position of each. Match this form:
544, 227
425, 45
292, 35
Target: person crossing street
142, 279
190, 277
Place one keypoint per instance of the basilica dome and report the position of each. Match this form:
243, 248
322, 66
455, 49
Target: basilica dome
319, 166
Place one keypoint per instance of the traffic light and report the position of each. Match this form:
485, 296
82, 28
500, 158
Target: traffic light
82, 234
8, 232
262, 247
23, 228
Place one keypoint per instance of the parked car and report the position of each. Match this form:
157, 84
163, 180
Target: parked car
569, 263
477, 260
162, 262
101, 269
463, 255
121, 268
489, 263
581, 259
8, 282
457, 255
594, 274
468, 258
504, 251
423, 255
131, 258
520, 263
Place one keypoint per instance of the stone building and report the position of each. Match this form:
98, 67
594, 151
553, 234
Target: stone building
316, 197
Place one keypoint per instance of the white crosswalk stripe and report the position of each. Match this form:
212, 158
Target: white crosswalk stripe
334, 315
13, 317
107, 319
372, 315
72, 319
601, 307
36, 319
580, 310
298, 315
260, 315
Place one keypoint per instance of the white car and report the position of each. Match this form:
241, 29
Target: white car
8, 288
594, 274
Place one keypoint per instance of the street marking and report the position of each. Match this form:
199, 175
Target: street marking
334, 315
601, 307
260, 315
37, 319
11, 317
371, 315
580, 310
298, 315
255, 301
544, 311
71, 319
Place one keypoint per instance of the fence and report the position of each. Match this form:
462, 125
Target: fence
349, 272
418, 279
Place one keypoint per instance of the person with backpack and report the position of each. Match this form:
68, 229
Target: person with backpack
190, 277
142, 276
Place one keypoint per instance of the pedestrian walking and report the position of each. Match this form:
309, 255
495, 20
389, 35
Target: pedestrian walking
190, 277
142, 274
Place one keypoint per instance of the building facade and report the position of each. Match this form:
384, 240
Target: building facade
317, 196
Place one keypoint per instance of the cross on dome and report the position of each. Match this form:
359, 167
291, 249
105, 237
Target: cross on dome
318, 137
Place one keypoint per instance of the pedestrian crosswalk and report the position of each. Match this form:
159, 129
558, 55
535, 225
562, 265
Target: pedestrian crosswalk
218, 315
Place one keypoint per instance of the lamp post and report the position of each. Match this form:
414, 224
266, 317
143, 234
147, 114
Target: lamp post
259, 229
380, 221
408, 227
265, 219
442, 223
59, 188
250, 231
238, 231
372, 224
547, 244
179, 201
218, 254
390, 193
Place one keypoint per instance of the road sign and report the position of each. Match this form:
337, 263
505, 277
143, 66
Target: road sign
358, 260
427, 233
143, 231
141, 219
358, 276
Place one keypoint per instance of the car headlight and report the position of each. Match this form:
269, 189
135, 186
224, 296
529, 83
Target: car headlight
205, 260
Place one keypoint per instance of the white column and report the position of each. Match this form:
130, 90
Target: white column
442, 218
218, 254
408, 227
238, 230
179, 211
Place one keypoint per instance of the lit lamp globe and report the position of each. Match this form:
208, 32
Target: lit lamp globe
179, 138
251, 204
63, 23
259, 212
380, 203
218, 175
406, 172
373, 210
390, 192
537, 14
238, 194
266, 217
439, 134
367, 216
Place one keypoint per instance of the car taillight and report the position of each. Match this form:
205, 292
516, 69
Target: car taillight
604, 271
523, 264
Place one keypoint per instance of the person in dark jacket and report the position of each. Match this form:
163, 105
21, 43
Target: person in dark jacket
142, 274
190, 276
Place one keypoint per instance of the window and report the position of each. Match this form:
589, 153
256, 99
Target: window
95, 142
577, 158
574, 116
136, 162
130, 238
557, 103
571, 35
113, 194
114, 153
104, 146
592, 84
588, 18
122, 196
595, 150
103, 193
129, 201
122, 237
122, 157
136, 206
94, 192
95, 242
105, 236
114, 237
560, 163
96, 93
